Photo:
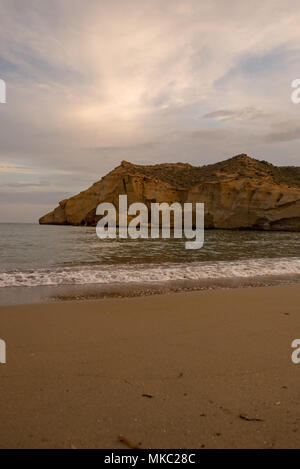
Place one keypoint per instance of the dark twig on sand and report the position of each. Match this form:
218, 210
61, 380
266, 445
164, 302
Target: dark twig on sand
248, 419
128, 443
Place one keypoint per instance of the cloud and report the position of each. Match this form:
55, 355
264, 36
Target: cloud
30, 197
285, 134
242, 115
92, 83
16, 169
18, 185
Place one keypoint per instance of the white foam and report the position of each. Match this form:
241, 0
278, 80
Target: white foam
149, 273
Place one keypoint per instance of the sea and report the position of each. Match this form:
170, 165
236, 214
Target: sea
49, 263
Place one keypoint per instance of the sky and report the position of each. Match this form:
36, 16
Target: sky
90, 83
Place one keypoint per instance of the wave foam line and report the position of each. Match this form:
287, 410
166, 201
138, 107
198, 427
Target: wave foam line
146, 273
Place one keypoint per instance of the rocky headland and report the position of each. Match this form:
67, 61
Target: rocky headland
239, 193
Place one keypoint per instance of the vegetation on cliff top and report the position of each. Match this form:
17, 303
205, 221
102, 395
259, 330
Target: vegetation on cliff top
240, 166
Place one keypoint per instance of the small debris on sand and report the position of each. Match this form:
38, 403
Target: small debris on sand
128, 443
249, 419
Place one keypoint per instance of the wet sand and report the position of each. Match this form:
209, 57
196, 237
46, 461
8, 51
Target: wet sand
206, 369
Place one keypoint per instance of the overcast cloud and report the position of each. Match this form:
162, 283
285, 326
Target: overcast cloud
91, 82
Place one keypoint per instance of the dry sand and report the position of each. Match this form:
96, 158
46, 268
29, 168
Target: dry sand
185, 370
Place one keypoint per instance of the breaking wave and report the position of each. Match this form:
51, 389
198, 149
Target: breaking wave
153, 273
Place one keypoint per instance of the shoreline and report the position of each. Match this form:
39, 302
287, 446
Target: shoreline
215, 363
41, 294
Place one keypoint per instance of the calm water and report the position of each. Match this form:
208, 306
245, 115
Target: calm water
34, 255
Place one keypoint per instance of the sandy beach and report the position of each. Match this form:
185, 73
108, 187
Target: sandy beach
188, 370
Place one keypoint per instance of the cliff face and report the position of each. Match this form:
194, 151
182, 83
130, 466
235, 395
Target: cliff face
239, 193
